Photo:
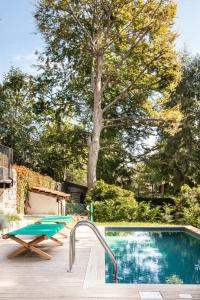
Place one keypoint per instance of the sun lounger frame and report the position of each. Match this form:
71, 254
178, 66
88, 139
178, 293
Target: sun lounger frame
31, 245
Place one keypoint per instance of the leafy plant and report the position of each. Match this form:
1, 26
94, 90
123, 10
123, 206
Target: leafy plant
112, 203
167, 214
103, 191
174, 279
188, 206
146, 212
13, 218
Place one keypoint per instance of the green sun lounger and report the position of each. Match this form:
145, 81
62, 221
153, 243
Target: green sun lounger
57, 219
65, 220
40, 232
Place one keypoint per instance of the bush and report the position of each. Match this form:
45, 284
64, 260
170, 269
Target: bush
13, 218
168, 214
112, 203
103, 191
148, 213
174, 279
188, 206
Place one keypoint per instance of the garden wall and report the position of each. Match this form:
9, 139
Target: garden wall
8, 197
26, 179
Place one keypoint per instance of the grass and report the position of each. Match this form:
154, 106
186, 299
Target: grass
127, 224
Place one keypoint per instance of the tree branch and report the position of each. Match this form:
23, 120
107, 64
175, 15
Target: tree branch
128, 121
138, 39
70, 11
131, 85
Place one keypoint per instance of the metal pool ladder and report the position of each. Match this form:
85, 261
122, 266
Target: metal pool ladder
100, 238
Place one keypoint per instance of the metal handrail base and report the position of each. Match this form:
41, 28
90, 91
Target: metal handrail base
100, 238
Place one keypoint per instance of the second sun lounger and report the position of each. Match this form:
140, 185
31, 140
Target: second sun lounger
57, 219
65, 220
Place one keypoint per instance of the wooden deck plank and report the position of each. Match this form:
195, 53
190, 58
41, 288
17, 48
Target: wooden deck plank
29, 277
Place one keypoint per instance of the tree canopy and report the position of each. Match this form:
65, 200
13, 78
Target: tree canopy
112, 61
178, 156
38, 137
18, 128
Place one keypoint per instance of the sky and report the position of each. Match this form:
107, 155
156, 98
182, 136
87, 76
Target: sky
19, 38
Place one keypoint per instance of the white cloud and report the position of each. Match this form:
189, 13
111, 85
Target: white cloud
27, 57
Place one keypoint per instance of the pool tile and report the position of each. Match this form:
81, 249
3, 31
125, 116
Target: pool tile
185, 296
150, 295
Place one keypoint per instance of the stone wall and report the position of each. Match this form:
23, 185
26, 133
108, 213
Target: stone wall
8, 197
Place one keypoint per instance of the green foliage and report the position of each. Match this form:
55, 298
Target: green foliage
119, 33
13, 218
151, 213
63, 152
103, 191
146, 212
177, 159
26, 178
115, 210
112, 203
104, 62
117, 151
6, 219
40, 141
18, 128
174, 279
185, 210
168, 214
188, 206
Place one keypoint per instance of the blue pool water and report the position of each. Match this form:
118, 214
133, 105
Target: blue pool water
154, 257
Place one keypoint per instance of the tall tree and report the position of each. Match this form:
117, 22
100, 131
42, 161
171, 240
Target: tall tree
116, 57
63, 152
178, 158
18, 127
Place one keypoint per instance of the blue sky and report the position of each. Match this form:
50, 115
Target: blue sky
19, 41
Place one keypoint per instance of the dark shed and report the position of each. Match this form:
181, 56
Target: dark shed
6, 162
77, 191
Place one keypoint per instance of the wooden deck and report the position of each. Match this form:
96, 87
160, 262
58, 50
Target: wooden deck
30, 277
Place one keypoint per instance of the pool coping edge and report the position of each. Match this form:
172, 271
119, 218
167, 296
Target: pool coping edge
95, 273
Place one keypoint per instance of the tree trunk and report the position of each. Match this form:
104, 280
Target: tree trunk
94, 138
93, 152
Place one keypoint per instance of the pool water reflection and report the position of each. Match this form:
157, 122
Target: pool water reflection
154, 257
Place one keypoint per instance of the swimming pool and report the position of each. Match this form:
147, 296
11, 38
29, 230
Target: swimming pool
154, 256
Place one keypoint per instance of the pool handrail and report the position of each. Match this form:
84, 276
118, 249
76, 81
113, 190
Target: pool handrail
100, 238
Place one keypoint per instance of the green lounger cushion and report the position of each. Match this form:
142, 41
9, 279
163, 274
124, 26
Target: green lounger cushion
54, 219
38, 229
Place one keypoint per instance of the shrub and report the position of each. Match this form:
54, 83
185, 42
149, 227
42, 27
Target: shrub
112, 203
13, 218
188, 206
167, 214
174, 279
148, 213
103, 191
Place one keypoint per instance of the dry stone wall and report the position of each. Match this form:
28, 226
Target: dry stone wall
8, 197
